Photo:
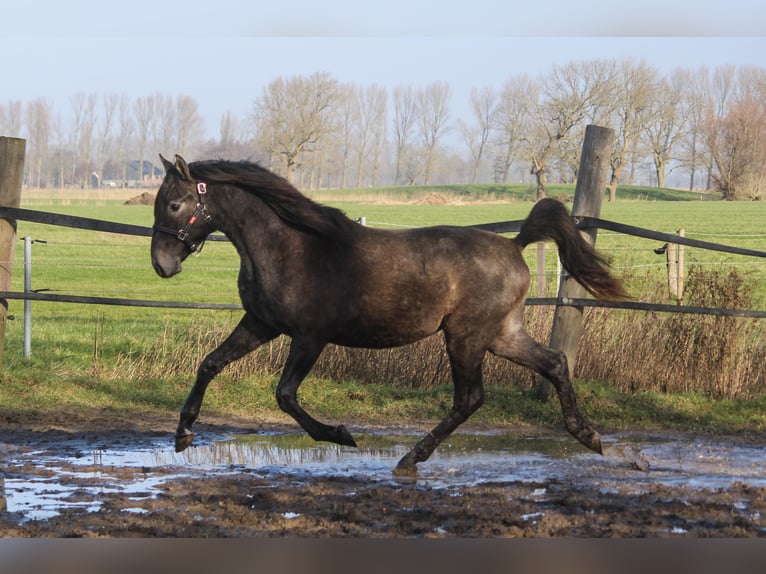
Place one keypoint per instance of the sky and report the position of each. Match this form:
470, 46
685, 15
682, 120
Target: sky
224, 52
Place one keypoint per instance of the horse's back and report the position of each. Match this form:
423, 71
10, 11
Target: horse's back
408, 283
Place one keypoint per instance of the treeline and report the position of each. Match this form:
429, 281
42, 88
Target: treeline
706, 126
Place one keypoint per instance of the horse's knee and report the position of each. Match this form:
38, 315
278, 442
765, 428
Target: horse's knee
476, 399
285, 400
556, 368
208, 369
469, 403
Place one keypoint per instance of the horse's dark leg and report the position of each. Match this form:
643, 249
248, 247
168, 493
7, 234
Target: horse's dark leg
465, 362
520, 348
302, 356
247, 336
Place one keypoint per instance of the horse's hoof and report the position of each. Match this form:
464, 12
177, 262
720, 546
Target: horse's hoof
591, 439
406, 467
596, 444
344, 437
184, 441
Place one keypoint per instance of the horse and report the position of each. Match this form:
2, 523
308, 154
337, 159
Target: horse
313, 274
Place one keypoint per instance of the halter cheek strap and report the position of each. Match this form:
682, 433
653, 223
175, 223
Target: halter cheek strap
200, 209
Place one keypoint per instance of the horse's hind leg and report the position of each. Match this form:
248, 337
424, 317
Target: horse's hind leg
520, 348
465, 362
247, 336
302, 356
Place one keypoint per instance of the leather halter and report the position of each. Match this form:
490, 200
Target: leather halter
183, 234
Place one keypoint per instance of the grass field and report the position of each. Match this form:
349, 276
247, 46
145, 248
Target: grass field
95, 348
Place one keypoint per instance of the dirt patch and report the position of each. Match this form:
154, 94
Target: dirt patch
235, 501
145, 198
434, 198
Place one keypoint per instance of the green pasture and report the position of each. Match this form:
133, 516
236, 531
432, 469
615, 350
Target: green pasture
78, 262
82, 344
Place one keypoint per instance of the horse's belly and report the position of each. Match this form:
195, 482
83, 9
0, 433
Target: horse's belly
383, 339
392, 331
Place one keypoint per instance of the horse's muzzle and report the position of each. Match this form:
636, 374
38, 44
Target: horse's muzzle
167, 255
167, 267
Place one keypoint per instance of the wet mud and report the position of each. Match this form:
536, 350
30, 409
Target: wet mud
92, 475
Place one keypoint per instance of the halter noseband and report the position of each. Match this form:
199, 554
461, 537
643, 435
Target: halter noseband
200, 209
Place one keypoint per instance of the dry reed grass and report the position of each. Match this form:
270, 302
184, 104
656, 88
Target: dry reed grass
721, 357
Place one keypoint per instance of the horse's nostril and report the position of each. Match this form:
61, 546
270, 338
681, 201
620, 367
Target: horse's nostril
165, 271
159, 270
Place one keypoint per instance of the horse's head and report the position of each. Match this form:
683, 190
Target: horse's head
181, 220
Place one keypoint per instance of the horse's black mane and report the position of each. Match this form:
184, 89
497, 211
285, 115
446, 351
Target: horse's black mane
289, 204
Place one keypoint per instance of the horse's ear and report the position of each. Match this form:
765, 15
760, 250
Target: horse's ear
168, 165
183, 169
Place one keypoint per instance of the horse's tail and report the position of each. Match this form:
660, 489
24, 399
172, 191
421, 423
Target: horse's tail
549, 219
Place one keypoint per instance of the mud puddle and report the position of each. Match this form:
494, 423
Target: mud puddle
41, 483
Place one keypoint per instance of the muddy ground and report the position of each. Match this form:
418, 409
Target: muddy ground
243, 503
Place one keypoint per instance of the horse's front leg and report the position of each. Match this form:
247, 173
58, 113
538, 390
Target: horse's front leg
247, 336
303, 354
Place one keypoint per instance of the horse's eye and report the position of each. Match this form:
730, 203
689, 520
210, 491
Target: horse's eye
175, 207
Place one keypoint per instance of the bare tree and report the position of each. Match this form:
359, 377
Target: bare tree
4, 121
632, 88
127, 126
370, 113
166, 126
109, 108
294, 115
378, 112
84, 118
432, 114
144, 110
666, 124
11, 118
735, 133
717, 92
476, 135
691, 146
517, 99
38, 119
189, 124
568, 95
227, 133
345, 120
62, 151
232, 140
404, 122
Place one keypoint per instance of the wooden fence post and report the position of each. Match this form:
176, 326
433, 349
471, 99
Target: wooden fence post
681, 263
671, 253
676, 274
589, 192
12, 152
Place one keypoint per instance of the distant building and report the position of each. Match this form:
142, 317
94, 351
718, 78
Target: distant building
148, 171
136, 175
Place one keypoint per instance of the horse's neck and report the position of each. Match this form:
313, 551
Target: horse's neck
242, 216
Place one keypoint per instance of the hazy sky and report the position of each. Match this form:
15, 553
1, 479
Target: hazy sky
223, 52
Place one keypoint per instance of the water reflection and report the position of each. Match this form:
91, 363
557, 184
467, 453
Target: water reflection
279, 450
464, 459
